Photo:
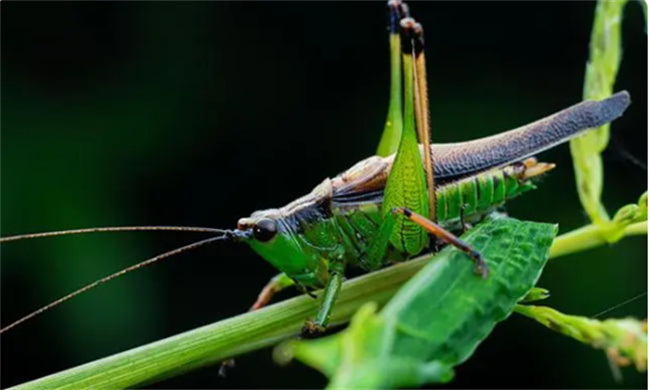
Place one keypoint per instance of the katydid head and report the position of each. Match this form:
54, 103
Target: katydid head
273, 238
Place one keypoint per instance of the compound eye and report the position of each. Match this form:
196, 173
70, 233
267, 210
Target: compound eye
265, 229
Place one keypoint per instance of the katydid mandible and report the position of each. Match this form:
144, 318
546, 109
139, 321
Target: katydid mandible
387, 208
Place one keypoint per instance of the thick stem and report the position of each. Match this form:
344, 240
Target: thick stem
234, 336
590, 236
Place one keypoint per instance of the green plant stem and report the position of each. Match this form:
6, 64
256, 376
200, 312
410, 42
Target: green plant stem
590, 236
637, 229
604, 59
247, 332
625, 340
216, 342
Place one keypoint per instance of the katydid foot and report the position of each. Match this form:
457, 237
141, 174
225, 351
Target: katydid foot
314, 328
480, 267
311, 329
225, 366
464, 225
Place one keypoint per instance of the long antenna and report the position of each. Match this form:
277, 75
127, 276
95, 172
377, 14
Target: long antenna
112, 229
113, 276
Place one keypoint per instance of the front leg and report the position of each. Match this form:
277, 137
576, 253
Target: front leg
278, 283
331, 292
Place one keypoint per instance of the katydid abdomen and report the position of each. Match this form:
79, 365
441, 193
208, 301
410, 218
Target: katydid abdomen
460, 201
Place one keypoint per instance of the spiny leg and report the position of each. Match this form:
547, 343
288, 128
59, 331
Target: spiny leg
406, 185
277, 283
331, 292
435, 229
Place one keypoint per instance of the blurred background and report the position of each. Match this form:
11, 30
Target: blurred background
201, 113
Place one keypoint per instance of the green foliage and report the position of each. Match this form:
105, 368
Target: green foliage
604, 59
439, 317
629, 220
627, 216
624, 340
536, 294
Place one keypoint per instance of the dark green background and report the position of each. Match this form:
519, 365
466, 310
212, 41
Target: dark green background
201, 113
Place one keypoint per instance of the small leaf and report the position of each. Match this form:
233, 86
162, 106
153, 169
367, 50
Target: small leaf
624, 217
536, 294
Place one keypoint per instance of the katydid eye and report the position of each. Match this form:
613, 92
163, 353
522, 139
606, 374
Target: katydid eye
264, 230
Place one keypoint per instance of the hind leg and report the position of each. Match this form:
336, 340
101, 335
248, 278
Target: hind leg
449, 238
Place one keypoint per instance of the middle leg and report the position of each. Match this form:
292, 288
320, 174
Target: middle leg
331, 292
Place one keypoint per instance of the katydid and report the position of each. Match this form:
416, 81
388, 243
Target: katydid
385, 208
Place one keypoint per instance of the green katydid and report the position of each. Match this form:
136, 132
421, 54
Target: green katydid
382, 209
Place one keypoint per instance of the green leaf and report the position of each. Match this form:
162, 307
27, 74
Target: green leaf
439, 317
536, 294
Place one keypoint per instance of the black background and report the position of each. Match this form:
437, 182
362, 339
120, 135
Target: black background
200, 113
